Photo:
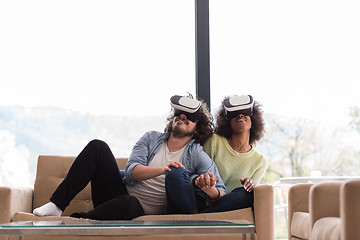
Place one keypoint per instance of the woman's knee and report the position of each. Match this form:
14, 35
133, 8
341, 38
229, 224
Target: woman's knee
241, 194
98, 147
96, 143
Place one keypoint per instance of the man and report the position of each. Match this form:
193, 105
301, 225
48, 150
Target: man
160, 164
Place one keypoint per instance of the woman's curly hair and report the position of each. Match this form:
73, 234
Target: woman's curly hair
204, 127
257, 130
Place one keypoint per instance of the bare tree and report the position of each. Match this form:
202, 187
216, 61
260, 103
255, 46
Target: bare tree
289, 145
300, 145
296, 147
355, 115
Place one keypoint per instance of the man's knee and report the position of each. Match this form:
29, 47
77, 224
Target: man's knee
179, 191
176, 174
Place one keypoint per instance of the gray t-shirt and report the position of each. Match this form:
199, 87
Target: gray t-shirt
151, 192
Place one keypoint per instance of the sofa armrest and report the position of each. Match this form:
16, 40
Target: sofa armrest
324, 201
350, 209
14, 200
298, 201
264, 211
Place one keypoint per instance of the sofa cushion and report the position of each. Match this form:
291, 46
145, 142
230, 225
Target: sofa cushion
327, 228
246, 214
300, 225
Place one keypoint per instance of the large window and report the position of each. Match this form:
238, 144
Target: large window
300, 60
76, 70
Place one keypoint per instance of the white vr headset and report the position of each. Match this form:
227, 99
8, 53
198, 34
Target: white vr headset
187, 106
239, 105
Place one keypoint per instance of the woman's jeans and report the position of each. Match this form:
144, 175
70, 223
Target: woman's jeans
182, 197
96, 164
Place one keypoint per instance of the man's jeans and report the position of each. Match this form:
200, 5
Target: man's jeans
183, 197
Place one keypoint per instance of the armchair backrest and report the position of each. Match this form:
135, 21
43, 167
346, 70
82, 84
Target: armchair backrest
325, 199
298, 202
51, 170
350, 209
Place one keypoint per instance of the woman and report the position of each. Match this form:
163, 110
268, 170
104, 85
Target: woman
240, 125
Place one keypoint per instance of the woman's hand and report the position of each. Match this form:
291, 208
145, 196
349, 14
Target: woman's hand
248, 184
172, 164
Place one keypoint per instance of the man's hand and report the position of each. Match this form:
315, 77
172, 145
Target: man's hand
248, 184
205, 181
172, 164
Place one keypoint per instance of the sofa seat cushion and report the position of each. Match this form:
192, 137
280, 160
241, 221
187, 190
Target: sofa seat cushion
246, 214
327, 228
300, 225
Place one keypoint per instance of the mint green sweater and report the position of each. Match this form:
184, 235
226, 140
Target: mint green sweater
233, 165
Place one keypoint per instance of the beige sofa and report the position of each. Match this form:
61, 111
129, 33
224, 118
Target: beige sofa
16, 204
324, 211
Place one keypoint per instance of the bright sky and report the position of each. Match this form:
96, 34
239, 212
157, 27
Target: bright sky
298, 58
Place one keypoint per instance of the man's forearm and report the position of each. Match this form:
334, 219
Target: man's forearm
142, 172
214, 193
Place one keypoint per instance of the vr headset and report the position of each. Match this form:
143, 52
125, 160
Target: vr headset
187, 106
239, 105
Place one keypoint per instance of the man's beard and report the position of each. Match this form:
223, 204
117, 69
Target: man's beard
178, 132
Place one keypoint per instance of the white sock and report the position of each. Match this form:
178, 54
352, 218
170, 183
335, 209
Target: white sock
49, 209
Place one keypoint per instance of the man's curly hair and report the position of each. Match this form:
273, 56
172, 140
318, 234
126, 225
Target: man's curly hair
204, 127
257, 130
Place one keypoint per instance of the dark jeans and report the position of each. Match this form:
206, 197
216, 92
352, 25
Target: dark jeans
182, 197
96, 164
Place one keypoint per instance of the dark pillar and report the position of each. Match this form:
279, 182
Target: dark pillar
202, 50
